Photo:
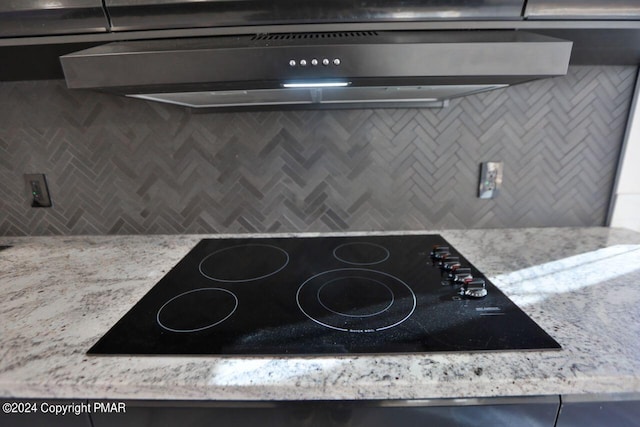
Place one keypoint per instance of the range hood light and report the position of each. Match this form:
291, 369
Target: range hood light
315, 84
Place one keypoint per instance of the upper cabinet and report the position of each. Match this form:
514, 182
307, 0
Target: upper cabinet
159, 14
583, 9
47, 17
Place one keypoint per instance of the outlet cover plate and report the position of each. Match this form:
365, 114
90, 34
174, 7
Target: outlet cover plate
490, 180
38, 190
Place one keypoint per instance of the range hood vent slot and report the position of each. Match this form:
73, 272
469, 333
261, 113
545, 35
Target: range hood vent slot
302, 36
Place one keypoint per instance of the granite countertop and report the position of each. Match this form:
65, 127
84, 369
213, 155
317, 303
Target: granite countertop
60, 294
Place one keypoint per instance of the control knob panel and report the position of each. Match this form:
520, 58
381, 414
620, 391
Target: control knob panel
455, 274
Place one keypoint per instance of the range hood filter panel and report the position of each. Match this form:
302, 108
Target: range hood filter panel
425, 95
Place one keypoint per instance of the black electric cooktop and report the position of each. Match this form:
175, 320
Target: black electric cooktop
323, 295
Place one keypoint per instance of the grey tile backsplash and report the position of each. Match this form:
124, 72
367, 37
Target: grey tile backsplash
116, 165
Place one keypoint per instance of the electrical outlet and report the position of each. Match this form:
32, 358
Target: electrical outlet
490, 179
38, 190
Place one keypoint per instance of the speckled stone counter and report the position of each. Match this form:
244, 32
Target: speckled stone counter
60, 294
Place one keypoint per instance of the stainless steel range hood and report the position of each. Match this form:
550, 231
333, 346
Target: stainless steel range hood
318, 70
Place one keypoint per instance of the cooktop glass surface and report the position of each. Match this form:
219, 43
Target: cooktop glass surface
323, 295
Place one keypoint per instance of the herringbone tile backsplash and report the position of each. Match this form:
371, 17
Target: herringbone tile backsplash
116, 165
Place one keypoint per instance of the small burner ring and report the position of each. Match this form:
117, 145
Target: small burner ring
212, 322
362, 251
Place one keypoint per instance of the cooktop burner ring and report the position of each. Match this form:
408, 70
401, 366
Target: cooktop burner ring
272, 253
376, 260
402, 307
393, 298
207, 326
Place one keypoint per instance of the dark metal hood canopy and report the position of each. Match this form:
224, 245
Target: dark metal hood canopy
393, 68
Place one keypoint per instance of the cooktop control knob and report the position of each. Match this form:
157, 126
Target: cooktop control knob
460, 275
439, 252
447, 258
450, 264
474, 288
